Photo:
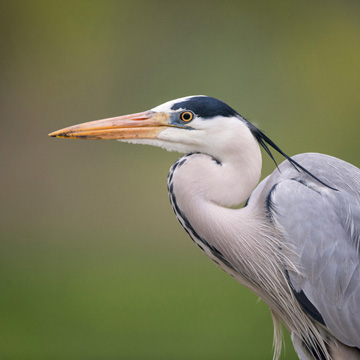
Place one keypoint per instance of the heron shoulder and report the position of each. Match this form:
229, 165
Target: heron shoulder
322, 227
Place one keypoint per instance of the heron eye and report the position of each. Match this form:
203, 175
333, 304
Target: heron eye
186, 116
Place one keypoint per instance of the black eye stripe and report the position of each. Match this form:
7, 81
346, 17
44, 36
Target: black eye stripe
205, 107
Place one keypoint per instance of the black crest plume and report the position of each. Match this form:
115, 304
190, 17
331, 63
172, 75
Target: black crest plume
264, 141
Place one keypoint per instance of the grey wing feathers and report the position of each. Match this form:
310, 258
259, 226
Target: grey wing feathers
322, 229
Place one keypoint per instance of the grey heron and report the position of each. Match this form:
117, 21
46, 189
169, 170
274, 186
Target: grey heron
296, 242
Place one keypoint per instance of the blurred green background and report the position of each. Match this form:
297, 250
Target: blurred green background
93, 264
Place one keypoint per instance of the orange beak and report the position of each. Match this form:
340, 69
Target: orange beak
145, 125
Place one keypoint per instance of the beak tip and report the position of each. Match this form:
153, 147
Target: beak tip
58, 134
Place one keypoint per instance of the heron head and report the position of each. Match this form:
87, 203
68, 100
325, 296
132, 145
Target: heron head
189, 124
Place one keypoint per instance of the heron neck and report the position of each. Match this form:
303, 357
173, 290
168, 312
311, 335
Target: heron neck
202, 189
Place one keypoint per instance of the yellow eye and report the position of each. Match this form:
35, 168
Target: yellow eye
186, 116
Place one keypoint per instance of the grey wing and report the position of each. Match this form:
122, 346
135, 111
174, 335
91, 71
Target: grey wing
322, 228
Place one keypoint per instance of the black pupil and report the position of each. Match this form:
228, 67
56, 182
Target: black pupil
186, 116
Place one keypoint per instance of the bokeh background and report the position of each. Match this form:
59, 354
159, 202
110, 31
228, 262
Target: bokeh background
93, 264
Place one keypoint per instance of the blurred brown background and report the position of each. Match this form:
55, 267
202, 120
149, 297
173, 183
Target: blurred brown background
93, 264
